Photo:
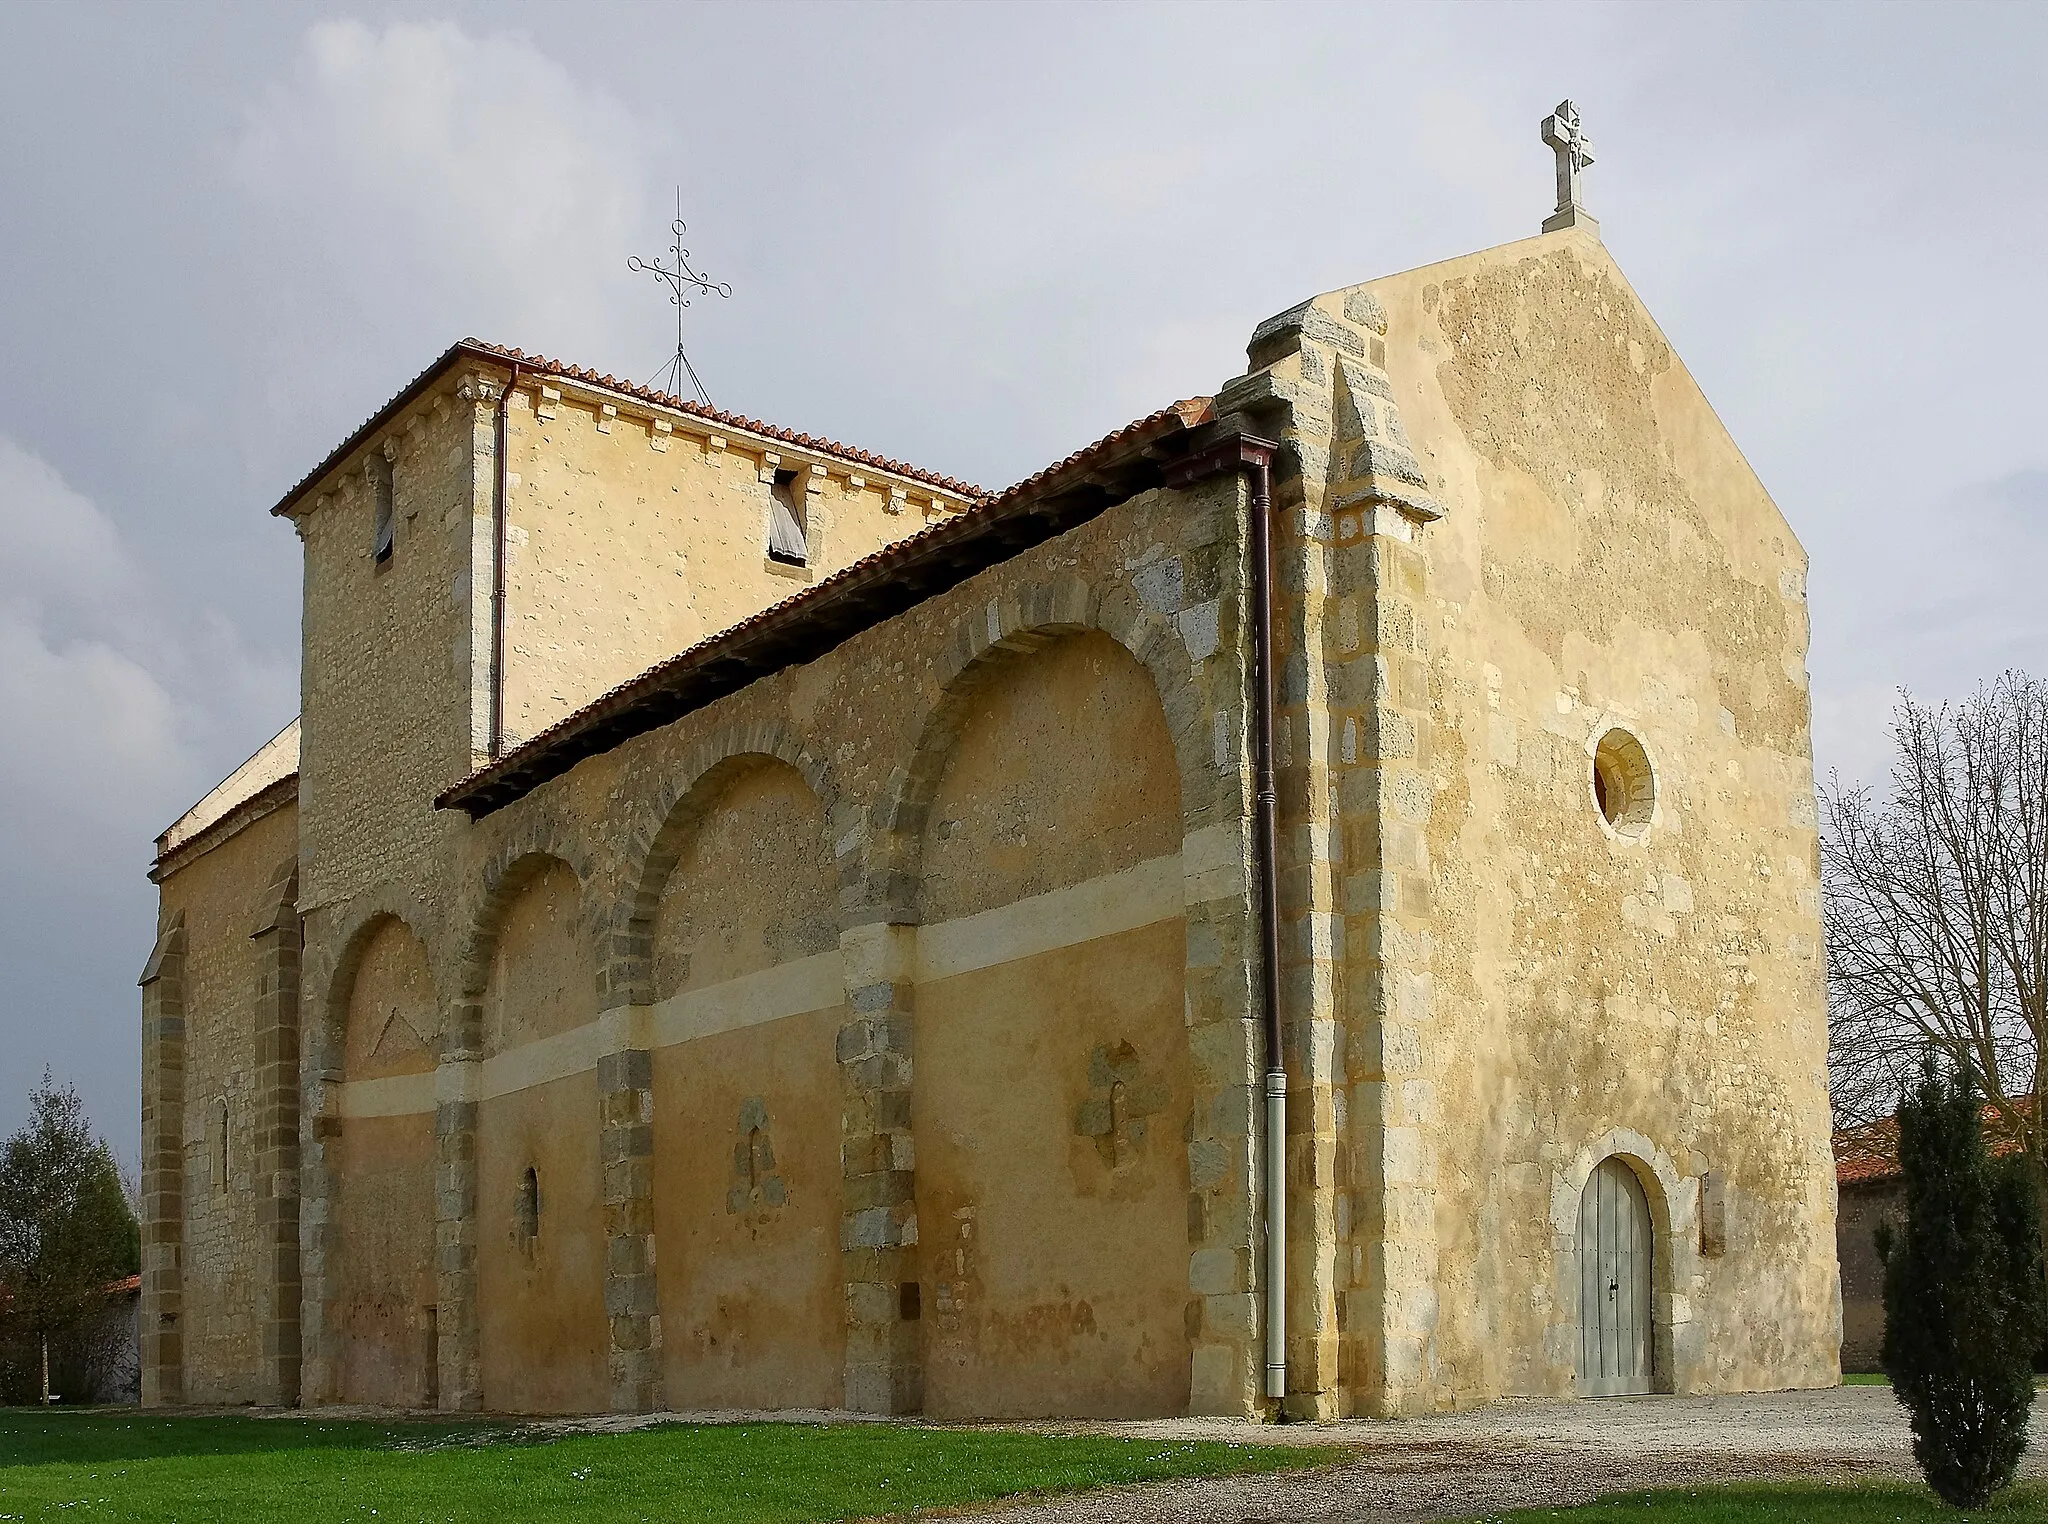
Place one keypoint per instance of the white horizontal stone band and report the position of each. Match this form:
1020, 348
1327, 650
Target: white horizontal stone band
545, 1059
400, 1095
752, 1000
1141, 895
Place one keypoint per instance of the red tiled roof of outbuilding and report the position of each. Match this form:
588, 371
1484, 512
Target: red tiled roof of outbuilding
1871, 1152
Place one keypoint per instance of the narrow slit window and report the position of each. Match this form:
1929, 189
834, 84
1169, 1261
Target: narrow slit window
381, 491
526, 1214
788, 540
220, 1147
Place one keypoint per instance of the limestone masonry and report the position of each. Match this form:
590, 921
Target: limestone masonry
839, 984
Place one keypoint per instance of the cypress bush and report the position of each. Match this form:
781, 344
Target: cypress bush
1965, 1302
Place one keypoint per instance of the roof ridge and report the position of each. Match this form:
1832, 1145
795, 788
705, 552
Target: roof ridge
545, 365
1184, 415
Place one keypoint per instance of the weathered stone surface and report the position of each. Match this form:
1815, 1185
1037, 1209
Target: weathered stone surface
886, 1032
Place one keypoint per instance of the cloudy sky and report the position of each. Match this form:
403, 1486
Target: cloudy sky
974, 236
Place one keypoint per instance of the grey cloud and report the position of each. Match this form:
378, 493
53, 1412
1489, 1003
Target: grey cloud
972, 236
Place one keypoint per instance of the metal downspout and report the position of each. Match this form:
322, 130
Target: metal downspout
1254, 457
1268, 859
498, 536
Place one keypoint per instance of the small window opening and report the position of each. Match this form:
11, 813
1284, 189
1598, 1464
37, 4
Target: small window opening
788, 535
910, 1301
1624, 785
220, 1146
381, 490
526, 1218
432, 1384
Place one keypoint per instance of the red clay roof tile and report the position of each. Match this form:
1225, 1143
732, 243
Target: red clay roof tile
641, 703
541, 365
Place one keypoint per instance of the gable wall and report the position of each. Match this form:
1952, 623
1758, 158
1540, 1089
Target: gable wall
1608, 559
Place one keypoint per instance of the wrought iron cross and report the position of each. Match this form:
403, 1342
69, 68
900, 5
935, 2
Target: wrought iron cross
1574, 152
679, 280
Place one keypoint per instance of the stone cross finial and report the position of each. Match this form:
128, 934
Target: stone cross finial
1574, 152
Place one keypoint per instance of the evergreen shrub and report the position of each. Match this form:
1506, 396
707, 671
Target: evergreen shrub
1965, 1301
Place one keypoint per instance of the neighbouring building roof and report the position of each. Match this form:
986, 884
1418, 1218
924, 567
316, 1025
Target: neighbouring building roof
273, 771
127, 1285
803, 627
541, 365
1868, 1154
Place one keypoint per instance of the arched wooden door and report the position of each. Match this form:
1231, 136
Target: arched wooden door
1615, 1249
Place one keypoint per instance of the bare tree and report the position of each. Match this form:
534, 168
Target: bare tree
1935, 905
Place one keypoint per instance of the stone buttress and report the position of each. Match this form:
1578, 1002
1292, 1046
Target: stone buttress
1351, 508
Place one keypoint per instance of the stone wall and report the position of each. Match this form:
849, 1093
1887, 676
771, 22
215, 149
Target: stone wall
1864, 1205
221, 1283
722, 965
631, 540
390, 650
377, 1241
629, 535
964, 906
1649, 987
1508, 528
631, 529
539, 1195
746, 1179
1054, 1083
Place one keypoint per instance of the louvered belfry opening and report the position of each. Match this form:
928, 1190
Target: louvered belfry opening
788, 540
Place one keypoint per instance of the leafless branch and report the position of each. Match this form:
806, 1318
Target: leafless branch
1935, 908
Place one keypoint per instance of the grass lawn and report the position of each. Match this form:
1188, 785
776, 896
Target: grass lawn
121, 1465
1788, 1503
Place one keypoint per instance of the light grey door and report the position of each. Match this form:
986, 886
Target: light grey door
1614, 1283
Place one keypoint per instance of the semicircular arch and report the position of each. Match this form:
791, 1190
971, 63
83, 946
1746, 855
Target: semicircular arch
366, 918
987, 641
666, 826
539, 845
1673, 1202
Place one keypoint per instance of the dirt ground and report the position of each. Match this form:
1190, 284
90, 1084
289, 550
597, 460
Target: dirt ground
1518, 1453
1521, 1454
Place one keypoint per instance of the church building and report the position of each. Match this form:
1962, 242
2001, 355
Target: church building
1309, 902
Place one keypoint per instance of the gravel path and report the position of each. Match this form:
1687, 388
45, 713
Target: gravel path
1517, 1454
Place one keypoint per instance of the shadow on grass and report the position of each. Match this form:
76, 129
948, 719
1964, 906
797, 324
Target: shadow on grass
35, 1437
134, 1469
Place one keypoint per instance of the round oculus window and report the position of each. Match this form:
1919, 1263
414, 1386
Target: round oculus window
1624, 786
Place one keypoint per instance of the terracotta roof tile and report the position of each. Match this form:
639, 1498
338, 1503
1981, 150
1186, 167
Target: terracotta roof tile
541, 365
938, 552
1871, 1152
